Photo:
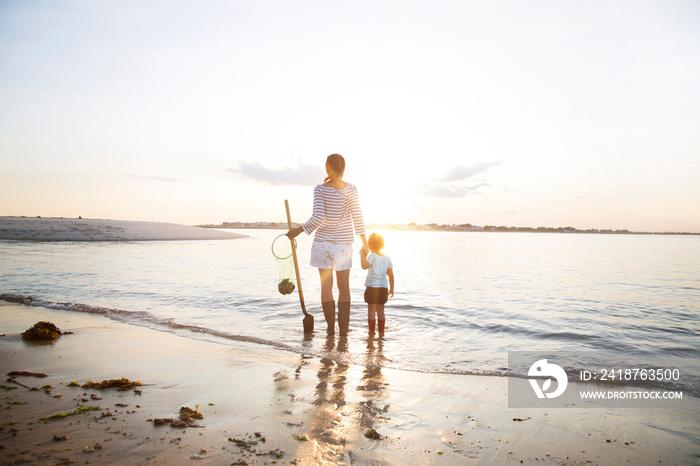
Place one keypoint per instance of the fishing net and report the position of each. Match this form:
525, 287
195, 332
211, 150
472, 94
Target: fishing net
282, 250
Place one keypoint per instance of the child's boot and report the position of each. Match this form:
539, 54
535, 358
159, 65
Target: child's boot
343, 318
329, 315
381, 323
371, 325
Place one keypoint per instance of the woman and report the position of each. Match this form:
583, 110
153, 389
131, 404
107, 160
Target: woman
336, 210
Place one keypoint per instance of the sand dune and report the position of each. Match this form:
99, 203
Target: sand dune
71, 229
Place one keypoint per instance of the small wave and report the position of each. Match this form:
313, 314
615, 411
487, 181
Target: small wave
570, 336
143, 318
339, 353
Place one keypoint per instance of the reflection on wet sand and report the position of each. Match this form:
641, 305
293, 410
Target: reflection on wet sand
328, 428
335, 406
340, 418
373, 388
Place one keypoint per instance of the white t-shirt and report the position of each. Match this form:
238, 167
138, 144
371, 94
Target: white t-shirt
376, 274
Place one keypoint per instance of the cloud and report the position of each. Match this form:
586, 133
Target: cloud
464, 173
461, 181
302, 174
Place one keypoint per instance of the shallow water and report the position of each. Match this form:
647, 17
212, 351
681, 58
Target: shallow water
463, 300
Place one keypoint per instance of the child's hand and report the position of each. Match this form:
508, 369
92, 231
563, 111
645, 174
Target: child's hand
363, 253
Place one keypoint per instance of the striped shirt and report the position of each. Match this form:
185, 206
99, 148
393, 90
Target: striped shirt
334, 214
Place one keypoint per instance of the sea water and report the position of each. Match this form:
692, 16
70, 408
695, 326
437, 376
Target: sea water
463, 299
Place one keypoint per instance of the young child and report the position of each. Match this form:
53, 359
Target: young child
378, 287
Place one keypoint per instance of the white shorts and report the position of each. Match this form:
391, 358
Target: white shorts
326, 255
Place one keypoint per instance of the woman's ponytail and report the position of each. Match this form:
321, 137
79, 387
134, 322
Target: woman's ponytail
335, 163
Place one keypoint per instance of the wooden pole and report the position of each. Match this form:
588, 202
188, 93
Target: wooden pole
308, 318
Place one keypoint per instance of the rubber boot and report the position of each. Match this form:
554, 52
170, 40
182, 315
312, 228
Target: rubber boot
343, 318
371, 325
329, 315
381, 323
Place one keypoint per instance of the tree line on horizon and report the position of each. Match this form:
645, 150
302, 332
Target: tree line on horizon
455, 227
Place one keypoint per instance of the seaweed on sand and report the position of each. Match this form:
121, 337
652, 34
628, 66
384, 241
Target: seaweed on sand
80, 410
187, 418
42, 331
121, 385
248, 446
191, 413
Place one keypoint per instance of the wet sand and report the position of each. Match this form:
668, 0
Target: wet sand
71, 229
265, 406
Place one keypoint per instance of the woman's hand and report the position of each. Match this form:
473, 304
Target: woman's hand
294, 232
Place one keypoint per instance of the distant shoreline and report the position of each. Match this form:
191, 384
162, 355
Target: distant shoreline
83, 229
455, 228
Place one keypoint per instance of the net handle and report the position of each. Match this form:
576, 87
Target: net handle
272, 247
296, 263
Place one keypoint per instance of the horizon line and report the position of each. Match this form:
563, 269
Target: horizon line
412, 226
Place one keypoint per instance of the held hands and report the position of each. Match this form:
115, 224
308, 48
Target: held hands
363, 259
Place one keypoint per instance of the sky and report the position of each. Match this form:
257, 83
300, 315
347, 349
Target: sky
506, 112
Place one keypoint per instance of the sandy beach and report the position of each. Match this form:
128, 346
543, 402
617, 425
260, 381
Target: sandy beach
265, 406
71, 229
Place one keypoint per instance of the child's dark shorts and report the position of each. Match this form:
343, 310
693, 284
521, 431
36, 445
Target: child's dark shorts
375, 295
